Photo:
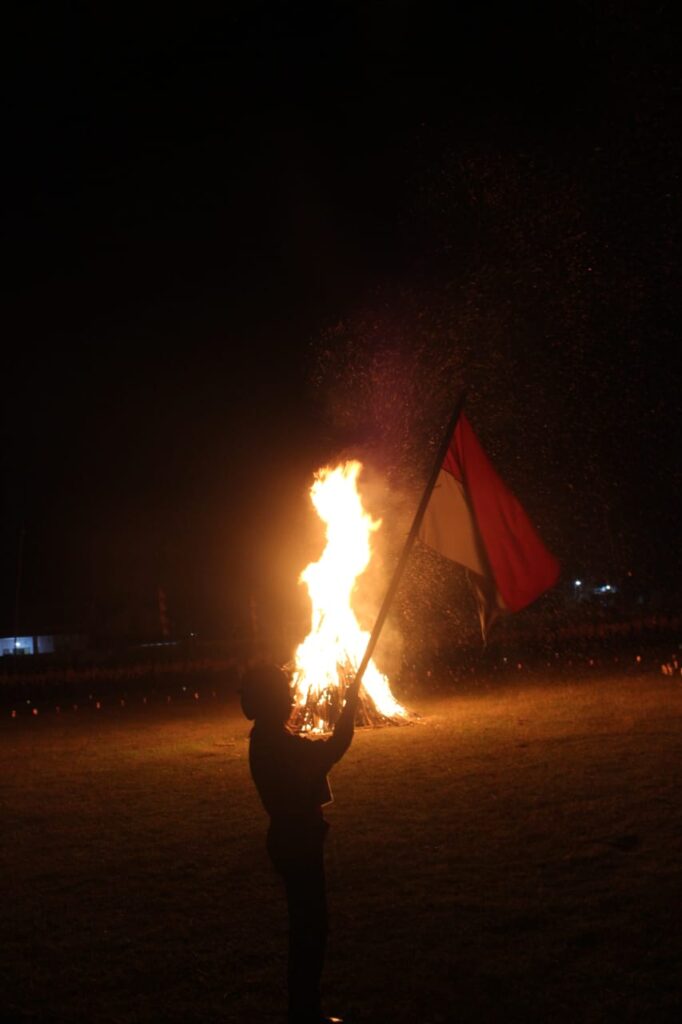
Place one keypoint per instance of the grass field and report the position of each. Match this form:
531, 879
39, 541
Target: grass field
516, 855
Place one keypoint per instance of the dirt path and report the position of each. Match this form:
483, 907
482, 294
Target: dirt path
512, 857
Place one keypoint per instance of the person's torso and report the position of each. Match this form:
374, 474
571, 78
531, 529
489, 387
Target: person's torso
290, 782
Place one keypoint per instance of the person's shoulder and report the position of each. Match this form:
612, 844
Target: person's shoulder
306, 745
295, 739
264, 739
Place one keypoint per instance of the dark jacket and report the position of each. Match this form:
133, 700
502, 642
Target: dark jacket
290, 773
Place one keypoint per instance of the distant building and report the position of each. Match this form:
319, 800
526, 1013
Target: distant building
56, 643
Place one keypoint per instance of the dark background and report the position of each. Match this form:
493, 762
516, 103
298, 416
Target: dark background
242, 239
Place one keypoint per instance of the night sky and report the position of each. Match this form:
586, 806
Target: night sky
243, 238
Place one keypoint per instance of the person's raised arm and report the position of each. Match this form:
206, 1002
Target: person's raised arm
339, 742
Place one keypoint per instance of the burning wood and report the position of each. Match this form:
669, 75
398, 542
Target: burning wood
326, 660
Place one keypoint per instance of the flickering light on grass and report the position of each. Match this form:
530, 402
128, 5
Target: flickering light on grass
335, 644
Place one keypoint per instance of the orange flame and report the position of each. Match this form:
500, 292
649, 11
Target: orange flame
335, 644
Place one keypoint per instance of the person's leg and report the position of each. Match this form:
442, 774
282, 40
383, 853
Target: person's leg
307, 902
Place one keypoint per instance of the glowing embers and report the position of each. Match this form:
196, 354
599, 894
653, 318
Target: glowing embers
326, 660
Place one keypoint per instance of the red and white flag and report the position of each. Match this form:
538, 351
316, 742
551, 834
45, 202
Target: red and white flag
473, 519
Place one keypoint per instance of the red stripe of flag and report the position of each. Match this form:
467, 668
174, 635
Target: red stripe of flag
521, 565
513, 557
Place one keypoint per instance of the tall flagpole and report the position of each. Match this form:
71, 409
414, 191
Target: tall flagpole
409, 541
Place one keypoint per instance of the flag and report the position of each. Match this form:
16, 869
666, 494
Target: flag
474, 519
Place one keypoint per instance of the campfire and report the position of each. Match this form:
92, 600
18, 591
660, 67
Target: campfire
325, 662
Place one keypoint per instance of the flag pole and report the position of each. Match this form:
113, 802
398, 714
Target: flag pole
410, 539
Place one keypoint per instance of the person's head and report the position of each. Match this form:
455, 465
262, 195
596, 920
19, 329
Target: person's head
265, 694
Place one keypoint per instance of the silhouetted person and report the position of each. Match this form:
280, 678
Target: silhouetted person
290, 773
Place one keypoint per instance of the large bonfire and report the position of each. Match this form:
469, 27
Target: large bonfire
326, 660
